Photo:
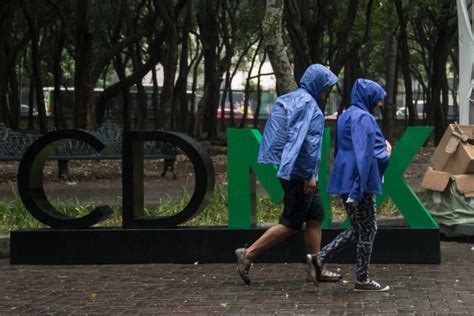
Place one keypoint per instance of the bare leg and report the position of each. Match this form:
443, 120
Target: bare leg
312, 237
271, 237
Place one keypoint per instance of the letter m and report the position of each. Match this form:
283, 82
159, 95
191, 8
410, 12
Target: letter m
242, 152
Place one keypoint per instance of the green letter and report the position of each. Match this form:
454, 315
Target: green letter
242, 154
395, 186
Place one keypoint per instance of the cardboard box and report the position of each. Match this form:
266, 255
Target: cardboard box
454, 153
438, 181
465, 184
435, 180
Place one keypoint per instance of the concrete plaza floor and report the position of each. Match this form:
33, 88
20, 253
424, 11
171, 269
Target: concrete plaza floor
447, 289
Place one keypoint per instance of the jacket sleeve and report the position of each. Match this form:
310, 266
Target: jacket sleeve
363, 141
315, 142
299, 119
381, 153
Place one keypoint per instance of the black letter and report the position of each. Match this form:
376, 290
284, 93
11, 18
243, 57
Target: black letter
132, 168
30, 181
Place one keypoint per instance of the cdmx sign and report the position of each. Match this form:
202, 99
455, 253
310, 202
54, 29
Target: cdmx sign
145, 239
31, 191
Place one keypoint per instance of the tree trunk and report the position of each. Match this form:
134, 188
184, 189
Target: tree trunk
299, 40
180, 102
124, 83
445, 27
14, 102
445, 99
347, 87
272, 35
247, 87
209, 31
405, 63
344, 50
234, 72
259, 93
31, 101
192, 116
224, 99
83, 82
7, 14
35, 65
170, 64
119, 66
140, 121
156, 95
437, 82
390, 82
59, 119
141, 110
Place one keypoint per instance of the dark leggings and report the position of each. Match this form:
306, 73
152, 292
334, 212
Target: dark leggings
364, 227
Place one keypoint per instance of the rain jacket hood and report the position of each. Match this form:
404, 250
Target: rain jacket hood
361, 155
366, 94
293, 132
316, 78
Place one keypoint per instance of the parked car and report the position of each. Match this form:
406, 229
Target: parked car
238, 115
25, 110
332, 116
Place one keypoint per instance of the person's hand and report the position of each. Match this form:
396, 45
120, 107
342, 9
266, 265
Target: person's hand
310, 186
351, 201
389, 147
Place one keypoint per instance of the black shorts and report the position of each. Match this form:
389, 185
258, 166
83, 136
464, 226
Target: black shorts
299, 207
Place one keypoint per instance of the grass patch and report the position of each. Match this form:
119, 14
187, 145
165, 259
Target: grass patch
13, 214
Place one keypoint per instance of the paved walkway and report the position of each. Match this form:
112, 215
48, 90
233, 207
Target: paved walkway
215, 288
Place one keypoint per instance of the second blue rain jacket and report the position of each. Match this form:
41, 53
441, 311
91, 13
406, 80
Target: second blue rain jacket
360, 151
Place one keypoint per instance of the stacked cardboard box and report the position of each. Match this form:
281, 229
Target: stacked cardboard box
451, 180
453, 160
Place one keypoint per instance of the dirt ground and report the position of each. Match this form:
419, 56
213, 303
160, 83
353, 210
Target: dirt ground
94, 182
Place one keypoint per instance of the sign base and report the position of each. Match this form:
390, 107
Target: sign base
202, 244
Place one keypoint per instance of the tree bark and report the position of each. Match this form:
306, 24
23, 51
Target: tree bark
7, 11
272, 35
192, 116
437, 81
299, 40
259, 92
59, 119
390, 82
13, 100
224, 99
83, 82
31, 101
209, 30
156, 95
169, 61
35, 65
247, 87
405, 62
60, 37
180, 101
119, 66
10, 46
141, 110
234, 72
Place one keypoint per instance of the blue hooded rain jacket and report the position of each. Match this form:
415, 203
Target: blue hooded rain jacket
293, 132
360, 150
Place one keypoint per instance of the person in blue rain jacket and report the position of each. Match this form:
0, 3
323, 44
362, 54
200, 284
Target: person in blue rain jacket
361, 157
292, 140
